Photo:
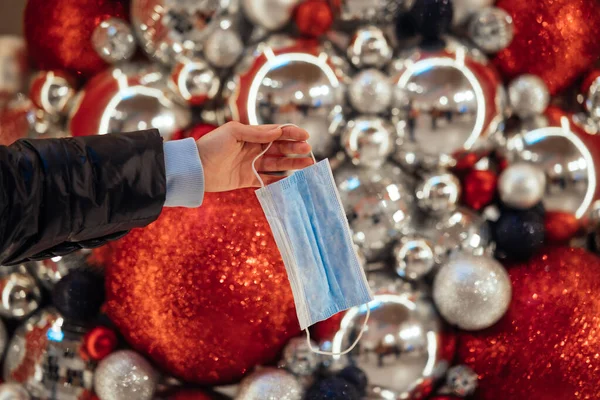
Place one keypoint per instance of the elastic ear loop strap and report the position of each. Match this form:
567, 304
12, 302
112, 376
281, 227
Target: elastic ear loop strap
349, 349
262, 153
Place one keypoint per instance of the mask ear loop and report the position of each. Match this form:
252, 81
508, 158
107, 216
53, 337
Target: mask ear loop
349, 349
262, 153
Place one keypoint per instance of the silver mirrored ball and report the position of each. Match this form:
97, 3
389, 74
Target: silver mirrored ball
113, 40
223, 48
368, 141
462, 230
195, 81
370, 92
528, 95
438, 192
491, 29
298, 358
20, 293
414, 257
522, 185
369, 48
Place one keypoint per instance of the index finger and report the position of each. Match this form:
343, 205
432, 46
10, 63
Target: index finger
291, 132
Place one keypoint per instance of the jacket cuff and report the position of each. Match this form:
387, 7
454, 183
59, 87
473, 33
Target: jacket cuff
185, 176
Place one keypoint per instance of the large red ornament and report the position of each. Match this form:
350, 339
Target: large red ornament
314, 18
547, 345
550, 39
58, 33
203, 292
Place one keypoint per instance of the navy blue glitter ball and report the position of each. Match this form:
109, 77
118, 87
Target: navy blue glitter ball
519, 234
432, 18
356, 377
332, 389
79, 294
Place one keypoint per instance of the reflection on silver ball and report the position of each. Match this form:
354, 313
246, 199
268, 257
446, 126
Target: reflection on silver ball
370, 92
223, 48
380, 11
463, 230
415, 257
195, 81
269, 14
592, 100
19, 292
368, 141
270, 384
298, 357
125, 375
528, 95
113, 40
491, 29
51, 270
472, 292
369, 48
461, 380
522, 185
13, 391
438, 193
404, 348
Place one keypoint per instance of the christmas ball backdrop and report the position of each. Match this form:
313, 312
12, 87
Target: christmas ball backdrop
203, 292
59, 33
546, 345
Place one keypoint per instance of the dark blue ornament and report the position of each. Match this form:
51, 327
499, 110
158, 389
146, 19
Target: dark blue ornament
356, 377
519, 234
432, 18
79, 294
406, 26
333, 388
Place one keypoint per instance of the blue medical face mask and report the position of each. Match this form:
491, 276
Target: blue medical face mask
312, 233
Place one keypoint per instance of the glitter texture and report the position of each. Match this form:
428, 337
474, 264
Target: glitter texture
203, 291
556, 40
547, 346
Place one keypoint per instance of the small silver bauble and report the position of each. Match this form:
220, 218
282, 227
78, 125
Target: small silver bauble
462, 230
370, 92
285, 84
223, 48
522, 185
465, 9
20, 293
472, 292
125, 375
127, 98
270, 384
46, 359
298, 358
51, 270
368, 141
269, 14
13, 391
403, 350
113, 40
414, 257
195, 81
528, 95
52, 91
438, 192
369, 48
592, 100
461, 380
356, 12
170, 29
491, 29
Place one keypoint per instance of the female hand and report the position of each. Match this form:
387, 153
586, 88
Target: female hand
228, 151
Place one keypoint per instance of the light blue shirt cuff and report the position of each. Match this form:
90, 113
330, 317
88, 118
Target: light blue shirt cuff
185, 176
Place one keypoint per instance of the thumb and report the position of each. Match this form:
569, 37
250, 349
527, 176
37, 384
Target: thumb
257, 134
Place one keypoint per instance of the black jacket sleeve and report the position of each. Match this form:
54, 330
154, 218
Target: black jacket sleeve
60, 195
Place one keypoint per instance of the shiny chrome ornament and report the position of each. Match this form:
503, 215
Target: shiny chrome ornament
20, 293
438, 192
377, 11
462, 380
170, 29
528, 95
113, 40
370, 92
369, 48
52, 270
522, 185
195, 81
404, 348
491, 29
125, 374
45, 357
592, 100
285, 80
52, 91
415, 257
127, 98
462, 230
298, 358
369, 141
568, 161
445, 100
269, 14
223, 47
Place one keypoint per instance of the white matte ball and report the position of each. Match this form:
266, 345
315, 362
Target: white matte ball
125, 375
528, 95
223, 48
522, 185
13, 391
370, 92
472, 292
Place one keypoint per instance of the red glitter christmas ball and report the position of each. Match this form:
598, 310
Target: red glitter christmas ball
203, 292
551, 40
58, 33
547, 346
479, 188
313, 18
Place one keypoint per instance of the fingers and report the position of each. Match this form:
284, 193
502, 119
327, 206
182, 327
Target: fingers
288, 147
265, 133
291, 132
274, 164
